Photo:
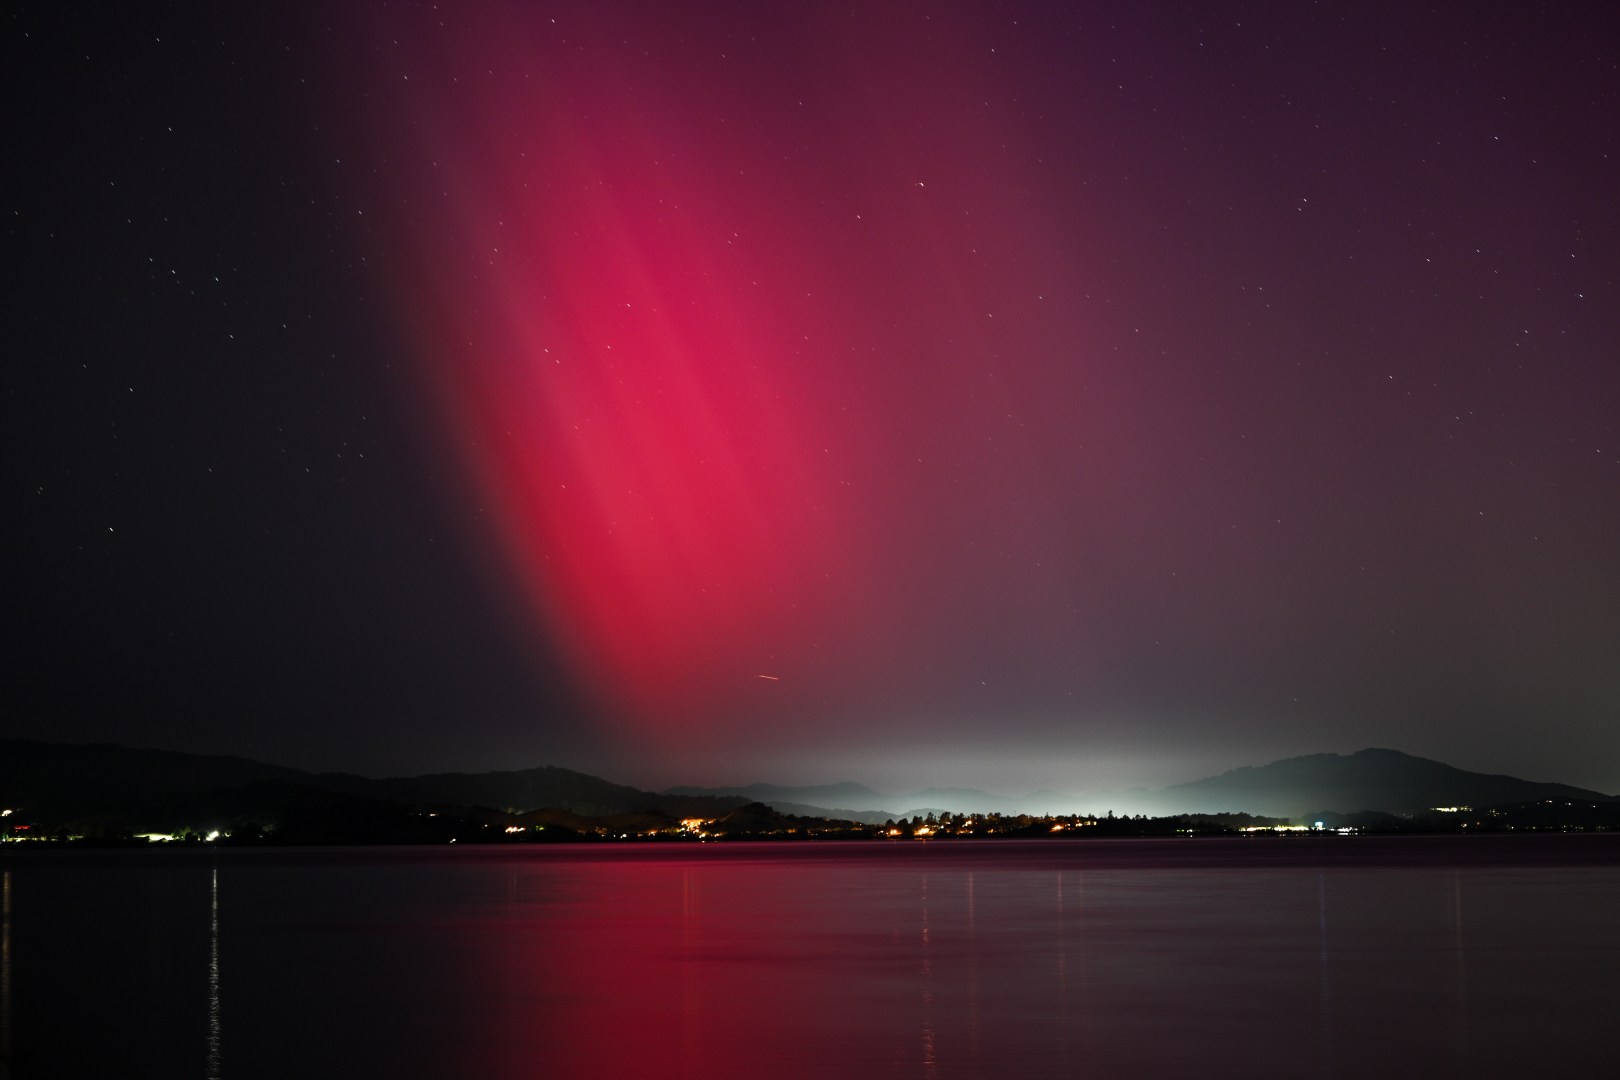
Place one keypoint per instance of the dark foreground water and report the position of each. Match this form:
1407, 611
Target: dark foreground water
1339, 957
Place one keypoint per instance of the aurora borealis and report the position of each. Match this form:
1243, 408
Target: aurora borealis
1001, 395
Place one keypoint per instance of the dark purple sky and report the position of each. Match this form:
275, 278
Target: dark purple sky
1014, 396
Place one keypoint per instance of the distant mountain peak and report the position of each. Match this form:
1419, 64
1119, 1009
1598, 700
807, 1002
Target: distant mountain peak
1376, 778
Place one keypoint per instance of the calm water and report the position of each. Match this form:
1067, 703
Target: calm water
1354, 957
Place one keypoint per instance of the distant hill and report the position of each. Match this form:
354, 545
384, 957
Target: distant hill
857, 802
847, 795
1377, 781
106, 785
1387, 781
547, 786
104, 782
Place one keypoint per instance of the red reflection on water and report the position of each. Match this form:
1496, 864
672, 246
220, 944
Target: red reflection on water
713, 969
1080, 958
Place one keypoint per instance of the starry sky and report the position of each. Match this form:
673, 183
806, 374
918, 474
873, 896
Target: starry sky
1010, 395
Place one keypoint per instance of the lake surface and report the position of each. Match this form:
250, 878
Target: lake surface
1291, 957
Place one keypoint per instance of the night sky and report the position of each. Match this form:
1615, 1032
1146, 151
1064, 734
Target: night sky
1005, 395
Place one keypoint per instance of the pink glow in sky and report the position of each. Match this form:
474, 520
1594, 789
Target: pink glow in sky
1018, 380
736, 404
918, 392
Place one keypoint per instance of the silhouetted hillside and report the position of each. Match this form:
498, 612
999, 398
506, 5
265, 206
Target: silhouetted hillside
1381, 780
532, 789
106, 791
104, 783
845, 794
758, 819
1378, 781
850, 801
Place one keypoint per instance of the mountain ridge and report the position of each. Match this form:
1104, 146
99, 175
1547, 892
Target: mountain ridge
1373, 779
104, 780
1376, 778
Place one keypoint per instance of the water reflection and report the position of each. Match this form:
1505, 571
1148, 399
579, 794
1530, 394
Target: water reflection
973, 961
1324, 981
1062, 936
1459, 959
961, 962
5, 975
213, 1071
930, 1048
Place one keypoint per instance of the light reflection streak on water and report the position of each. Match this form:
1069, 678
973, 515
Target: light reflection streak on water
691, 992
1065, 1007
213, 977
5, 975
973, 971
1324, 988
930, 1036
1459, 960
1062, 943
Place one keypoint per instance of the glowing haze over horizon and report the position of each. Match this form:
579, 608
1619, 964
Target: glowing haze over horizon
961, 394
